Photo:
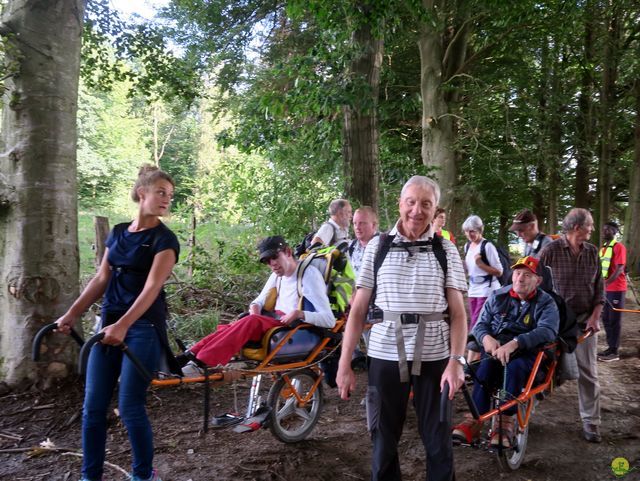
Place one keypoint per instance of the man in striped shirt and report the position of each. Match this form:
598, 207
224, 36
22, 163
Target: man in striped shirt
424, 320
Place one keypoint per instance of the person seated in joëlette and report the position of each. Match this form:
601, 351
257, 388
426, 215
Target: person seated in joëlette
220, 346
519, 317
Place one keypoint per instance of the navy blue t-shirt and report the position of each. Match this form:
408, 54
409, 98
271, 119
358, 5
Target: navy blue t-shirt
131, 257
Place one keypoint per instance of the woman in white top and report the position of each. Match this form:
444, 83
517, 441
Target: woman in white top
482, 275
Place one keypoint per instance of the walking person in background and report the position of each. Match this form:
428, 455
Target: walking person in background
365, 228
577, 277
525, 225
613, 257
439, 221
482, 273
138, 259
336, 229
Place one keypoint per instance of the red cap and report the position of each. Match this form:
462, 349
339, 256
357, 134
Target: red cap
528, 262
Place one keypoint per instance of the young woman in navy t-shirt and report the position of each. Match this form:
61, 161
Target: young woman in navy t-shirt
138, 259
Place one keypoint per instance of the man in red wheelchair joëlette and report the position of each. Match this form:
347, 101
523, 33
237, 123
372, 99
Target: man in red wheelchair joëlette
519, 317
218, 348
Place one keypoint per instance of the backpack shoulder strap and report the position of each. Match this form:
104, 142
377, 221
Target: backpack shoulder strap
333, 235
383, 249
539, 237
302, 267
483, 251
352, 246
441, 254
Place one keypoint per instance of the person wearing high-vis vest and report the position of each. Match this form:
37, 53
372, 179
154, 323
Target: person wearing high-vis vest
613, 258
439, 221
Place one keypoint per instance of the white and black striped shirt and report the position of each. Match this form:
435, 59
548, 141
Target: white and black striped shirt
411, 283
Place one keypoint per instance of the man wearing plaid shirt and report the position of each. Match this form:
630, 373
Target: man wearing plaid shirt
577, 277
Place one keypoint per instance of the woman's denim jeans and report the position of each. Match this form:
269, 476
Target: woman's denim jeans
106, 364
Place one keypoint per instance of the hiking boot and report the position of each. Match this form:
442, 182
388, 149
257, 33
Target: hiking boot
154, 477
609, 356
467, 431
591, 433
502, 431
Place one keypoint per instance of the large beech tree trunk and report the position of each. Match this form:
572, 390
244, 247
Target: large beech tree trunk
38, 212
443, 50
361, 130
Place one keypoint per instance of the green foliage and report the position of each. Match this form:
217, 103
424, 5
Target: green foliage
261, 151
10, 56
192, 327
114, 50
110, 147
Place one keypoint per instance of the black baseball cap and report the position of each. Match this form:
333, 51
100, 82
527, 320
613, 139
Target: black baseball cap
613, 225
522, 218
271, 246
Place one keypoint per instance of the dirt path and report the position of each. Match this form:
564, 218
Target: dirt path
338, 448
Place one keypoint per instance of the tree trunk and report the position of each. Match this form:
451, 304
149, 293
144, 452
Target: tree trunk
38, 210
192, 244
631, 225
538, 189
361, 131
608, 122
585, 127
556, 147
439, 62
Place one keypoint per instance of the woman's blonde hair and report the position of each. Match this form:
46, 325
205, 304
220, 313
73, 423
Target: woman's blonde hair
147, 176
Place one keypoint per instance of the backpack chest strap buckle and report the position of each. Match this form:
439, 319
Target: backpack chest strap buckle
413, 317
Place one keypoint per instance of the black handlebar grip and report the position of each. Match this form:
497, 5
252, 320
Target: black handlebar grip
84, 352
445, 404
37, 340
86, 349
77, 337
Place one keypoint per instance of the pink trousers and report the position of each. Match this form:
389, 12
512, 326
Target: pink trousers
475, 306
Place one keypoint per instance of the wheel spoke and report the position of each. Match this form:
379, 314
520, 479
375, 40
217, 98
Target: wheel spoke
303, 413
287, 409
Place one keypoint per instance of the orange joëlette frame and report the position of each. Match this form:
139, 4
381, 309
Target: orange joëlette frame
529, 391
263, 367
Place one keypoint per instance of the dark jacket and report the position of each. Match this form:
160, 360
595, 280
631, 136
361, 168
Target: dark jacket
504, 317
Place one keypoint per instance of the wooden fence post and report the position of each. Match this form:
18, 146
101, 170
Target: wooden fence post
101, 225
